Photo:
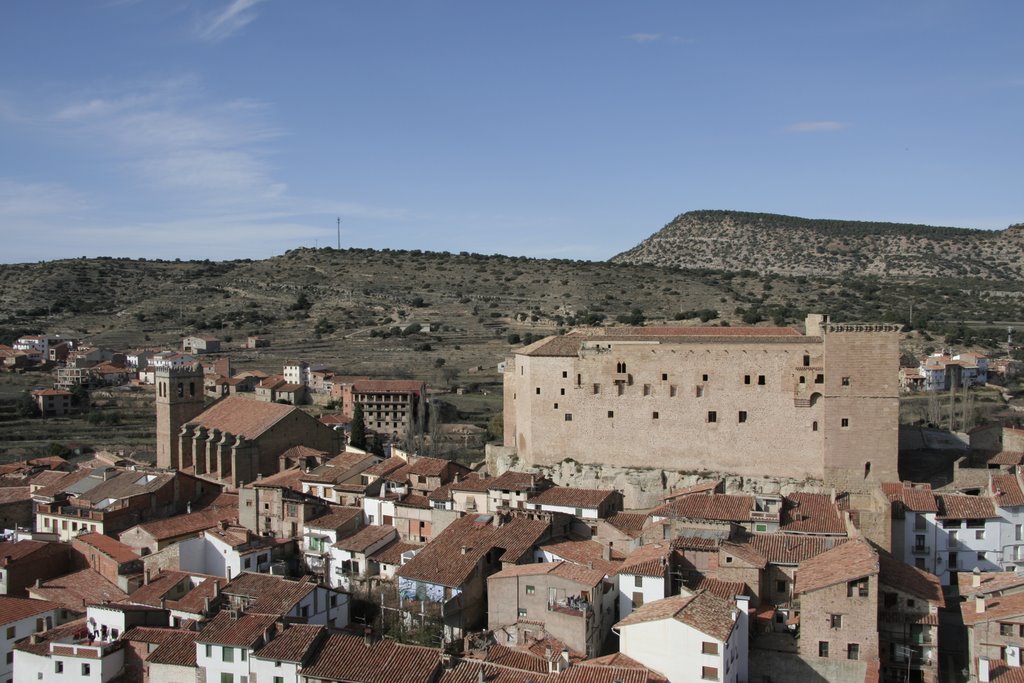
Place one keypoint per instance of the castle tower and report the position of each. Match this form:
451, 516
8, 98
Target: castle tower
179, 398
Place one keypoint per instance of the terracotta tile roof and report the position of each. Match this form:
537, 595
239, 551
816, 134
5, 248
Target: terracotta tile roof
566, 570
339, 468
516, 658
629, 523
268, 594
247, 630
303, 452
294, 644
343, 657
387, 386
991, 582
366, 537
811, 513
175, 648
413, 500
78, 589
160, 584
909, 579
443, 562
517, 481
71, 629
191, 523
781, 548
651, 559
13, 609
110, 547
914, 497
996, 607
472, 671
566, 496
12, 551
51, 392
999, 671
118, 485
336, 518
290, 478
585, 552
47, 478
54, 486
960, 506
712, 486
703, 610
705, 543
1007, 458
392, 553
385, 467
473, 483
435, 467
727, 590
1007, 491
848, 562
243, 416
711, 506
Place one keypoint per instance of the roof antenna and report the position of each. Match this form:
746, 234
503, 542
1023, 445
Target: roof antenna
339, 233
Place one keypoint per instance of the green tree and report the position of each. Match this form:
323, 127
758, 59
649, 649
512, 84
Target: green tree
358, 436
27, 406
79, 395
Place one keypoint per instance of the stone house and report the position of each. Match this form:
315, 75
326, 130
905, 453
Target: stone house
52, 402
200, 344
271, 507
24, 562
575, 604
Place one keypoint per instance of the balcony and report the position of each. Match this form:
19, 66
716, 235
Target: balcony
764, 516
920, 550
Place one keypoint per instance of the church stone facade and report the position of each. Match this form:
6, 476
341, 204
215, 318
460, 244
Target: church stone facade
750, 401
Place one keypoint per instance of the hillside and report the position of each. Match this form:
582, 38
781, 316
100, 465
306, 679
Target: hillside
768, 243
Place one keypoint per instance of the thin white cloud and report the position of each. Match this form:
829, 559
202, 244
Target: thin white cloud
217, 26
816, 126
643, 37
23, 201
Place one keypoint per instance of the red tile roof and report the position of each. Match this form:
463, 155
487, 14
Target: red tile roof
703, 611
178, 648
782, 548
991, 582
709, 506
12, 551
566, 570
343, 657
294, 644
727, 590
566, 496
247, 630
365, 538
392, 553
78, 589
585, 552
387, 386
517, 481
811, 513
191, 523
1007, 490
14, 609
268, 594
336, 518
243, 416
909, 579
629, 523
960, 506
914, 497
113, 549
999, 607
651, 559
848, 562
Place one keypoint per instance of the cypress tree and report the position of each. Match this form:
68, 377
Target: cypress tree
358, 437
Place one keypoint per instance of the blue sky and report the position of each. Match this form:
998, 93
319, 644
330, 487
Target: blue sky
241, 128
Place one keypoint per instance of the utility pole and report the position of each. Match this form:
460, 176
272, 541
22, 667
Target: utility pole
339, 233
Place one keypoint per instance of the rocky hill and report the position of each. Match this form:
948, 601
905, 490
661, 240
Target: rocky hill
786, 245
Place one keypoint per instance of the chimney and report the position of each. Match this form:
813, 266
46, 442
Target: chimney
976, 577
548, 653
464, 549
983, 676
367, 636
206, 605
590, 564
606, 552
188, 508
39, 583
480, 675
979, 602
216, 588
145, 578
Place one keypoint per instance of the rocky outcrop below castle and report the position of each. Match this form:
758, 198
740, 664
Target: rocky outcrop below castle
642, 488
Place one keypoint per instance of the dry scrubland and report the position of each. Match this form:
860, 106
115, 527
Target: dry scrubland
363, 311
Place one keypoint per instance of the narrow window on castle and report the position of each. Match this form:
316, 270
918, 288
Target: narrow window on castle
562, 391
538, 391
672, 391
700, 391
760, 380
522, 370
814, 426
844, 422
597, 388
712, 416
654, 415
846, 381
867, 469
746, 379
621, 388
191, 389
568, 417
611, 413
556, 406
664, 377
704, 378
819, 378
181, 389
743, 416
807, 361
803, 379
565, 374
647, 390
579, 380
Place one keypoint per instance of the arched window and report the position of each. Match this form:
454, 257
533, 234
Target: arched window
191, 389
867, 469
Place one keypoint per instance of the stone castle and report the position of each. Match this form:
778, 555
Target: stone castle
748, 401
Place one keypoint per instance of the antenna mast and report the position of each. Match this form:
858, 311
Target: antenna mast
339, 233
